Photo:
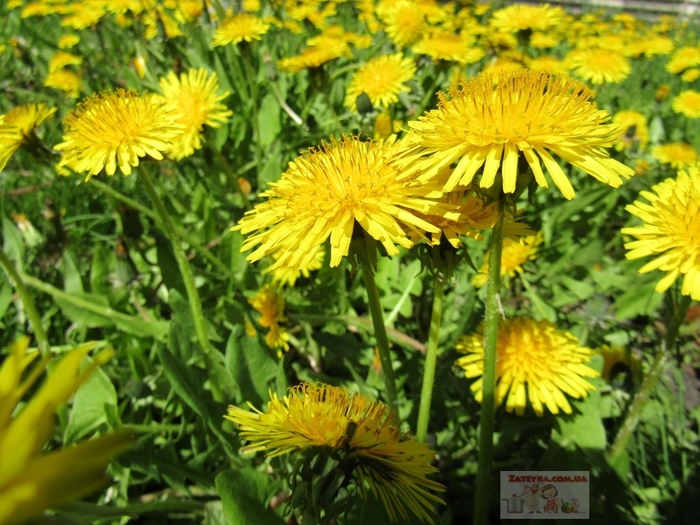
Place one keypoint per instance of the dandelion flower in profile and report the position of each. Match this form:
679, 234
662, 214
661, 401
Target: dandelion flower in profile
599, 66
327, 193
242, 27
381, 79
65, 80
515, 253
683, 58
269, 302
535, 361
670, 231
687, 103
33, 479
678, 154
197, 101
635, 132
527, 113
115, 129
517, 17
314, 56
365, 434
448, 46
18, 125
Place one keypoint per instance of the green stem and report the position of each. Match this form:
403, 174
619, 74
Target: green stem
629, 424
251, 77
181, 232
187, 276
42, 339
488, 401
430, 361
363, 254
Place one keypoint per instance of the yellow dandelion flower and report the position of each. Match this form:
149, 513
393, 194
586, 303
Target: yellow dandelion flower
599, 66
635, 132
535, 361
404, 22
381, 79
17, 126
678, 154
515, 253
690, 75
65, 80
527, 113
288, 276
616, 357
242, 27
670, 231
325, 193
269, 302
114, 129
541, 40
448, 46
31, 479
683, 58
662, 92
548, 63
687, 103
385, 126
520, 17
363, 432
196, 101
61, 59
315, 56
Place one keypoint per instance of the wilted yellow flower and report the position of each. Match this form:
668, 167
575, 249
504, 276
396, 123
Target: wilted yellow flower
381, 79
196, 101
32, 479
670, 231
535, 361
18, 125
365, 434
269, 302
114, 129
527, 114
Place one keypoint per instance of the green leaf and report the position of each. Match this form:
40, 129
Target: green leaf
100, 271
639, 299
90, 405
251, 366
268, 120
245, 494
169, 269
5, 298
584, 427
82, 316
13, 243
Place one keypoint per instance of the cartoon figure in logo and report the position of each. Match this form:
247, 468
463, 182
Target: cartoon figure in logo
574, 504
531, 493
549, 492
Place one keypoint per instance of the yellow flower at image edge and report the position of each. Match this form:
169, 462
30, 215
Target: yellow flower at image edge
670, 232
115, 129
535, 361
18, 125
528, 113
32, 480
393, 464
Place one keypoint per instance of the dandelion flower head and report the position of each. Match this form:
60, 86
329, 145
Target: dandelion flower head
115, 129
535, 361
635, 131
196, 100
18, 125
599, 65
269, 302
678, 154
404, 21
528, 113
381, 79
515, 253
325, 193
392, 463
671, 231
519, 17
242, 27
687, 103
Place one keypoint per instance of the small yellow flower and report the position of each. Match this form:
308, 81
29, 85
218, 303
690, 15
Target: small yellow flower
404, 21
314, 56
269, 302
535, 361
239, 28
115, 129
32, 479
381, 79
65, 80
196, 101
515, 253
18, 125
687, 103
599, 66
670, 231
683, 58
678, 154
635, 132
392, 463
516, 18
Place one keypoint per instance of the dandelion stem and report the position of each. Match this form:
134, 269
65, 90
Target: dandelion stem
187, 277
629, 424
430, 360
29, 307
486, 422
362, 251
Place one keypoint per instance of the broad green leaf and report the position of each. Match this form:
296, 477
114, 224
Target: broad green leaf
13, 244
245, 494
169, 269
268, 120
72, 279
6, 292
100, 271
251, 366
90, 405
584, 428
83, 316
